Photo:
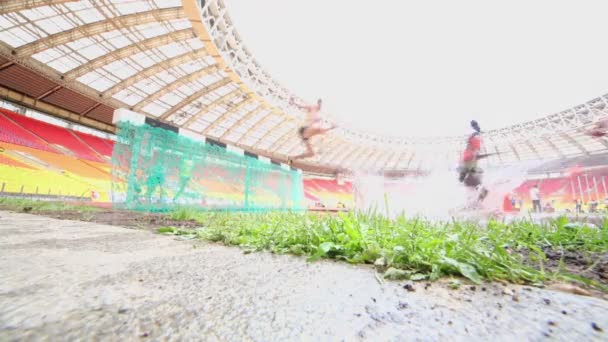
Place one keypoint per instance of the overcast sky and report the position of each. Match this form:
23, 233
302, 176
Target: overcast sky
420, 68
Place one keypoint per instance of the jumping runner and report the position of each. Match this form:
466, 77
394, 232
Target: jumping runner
313, 125
469, 173
599, 130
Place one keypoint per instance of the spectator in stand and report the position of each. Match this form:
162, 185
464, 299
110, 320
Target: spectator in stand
535, 197
520, 203
578, 205
593, 206
507, 204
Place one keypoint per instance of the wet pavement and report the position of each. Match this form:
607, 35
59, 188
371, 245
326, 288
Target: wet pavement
75, 280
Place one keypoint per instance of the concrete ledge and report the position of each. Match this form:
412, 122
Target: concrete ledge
125, 115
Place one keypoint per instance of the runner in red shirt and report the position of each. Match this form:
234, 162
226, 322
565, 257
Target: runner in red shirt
469, 173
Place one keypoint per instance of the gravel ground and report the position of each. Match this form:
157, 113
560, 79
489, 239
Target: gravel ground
67, 280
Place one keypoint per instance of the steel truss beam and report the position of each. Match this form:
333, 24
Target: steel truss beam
283, 141
256, 125
554, 147
242, 120
246, 100
178, 83
399, 157
154, 69
271, 130
361, 160
373, 159
234, 52
356, 155
95, 28
391, 157
8, 6
222, 100
331, 146
533, 149
346, 154
129, 50
263, 136
54, 89
575, 143
197, 95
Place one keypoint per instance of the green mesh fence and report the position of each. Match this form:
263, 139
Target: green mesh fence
154, 169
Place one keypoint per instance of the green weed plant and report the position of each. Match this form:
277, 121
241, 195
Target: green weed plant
423, 249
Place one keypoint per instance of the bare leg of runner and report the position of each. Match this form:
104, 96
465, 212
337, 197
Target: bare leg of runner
309, 133
309, 152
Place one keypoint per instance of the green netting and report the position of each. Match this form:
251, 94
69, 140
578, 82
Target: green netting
154, 169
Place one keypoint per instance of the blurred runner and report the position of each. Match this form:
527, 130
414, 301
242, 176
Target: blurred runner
312, 126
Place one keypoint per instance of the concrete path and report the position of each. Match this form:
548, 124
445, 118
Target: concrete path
67, 280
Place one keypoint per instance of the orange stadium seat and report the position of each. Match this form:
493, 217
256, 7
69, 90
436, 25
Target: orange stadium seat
328, 192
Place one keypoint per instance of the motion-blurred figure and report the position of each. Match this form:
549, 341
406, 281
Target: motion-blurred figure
470, 174
599, 130
312, 126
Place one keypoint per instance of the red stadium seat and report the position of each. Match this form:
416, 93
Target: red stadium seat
100, 145
54, 135
14, 134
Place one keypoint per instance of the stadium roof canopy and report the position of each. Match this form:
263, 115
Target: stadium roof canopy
182, 61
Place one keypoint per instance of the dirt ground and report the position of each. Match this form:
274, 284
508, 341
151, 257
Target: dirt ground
121, 218
592, 265
73, 280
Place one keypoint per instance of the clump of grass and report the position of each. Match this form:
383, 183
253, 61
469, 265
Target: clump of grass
19, 204
184, 214
424, 249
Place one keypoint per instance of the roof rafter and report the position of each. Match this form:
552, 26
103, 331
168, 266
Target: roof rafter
409, 161
8, 6
333, 150
282, 141
257, 124
204, 110
531, 147
515, 151
195, 96
273, 129
369, 162
357, 158
97, 27
568, 138
395, 161
346, 153
550, 143
601, 140
127, 51
176, 84
246, 100
152, 70
243, 120
364, 160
